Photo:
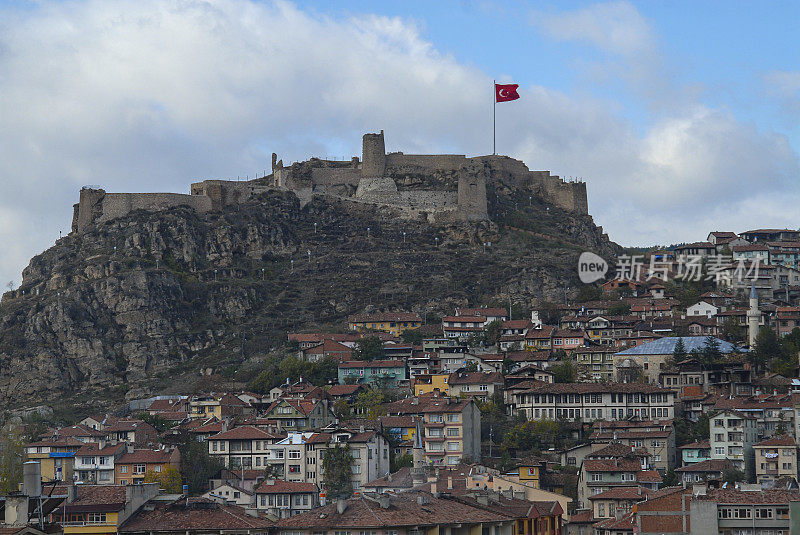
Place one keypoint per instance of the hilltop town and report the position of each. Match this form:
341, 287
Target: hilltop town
396, 343
662, 399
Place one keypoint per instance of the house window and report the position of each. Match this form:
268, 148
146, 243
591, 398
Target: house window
123, 469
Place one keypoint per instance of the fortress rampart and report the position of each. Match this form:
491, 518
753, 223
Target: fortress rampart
444, 187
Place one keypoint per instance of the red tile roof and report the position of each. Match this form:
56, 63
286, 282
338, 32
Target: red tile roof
762, 496
199, 514
384, 317
784, 440
145, 456
373, 364
623, 493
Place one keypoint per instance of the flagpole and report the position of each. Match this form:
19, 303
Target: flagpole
494, 117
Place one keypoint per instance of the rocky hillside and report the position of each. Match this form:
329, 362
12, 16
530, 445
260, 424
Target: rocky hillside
128, 306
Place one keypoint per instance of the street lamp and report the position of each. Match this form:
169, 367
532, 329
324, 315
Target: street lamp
309, 256
404, 237
315, 228
215, 275
292, 262
437, 242
262, 274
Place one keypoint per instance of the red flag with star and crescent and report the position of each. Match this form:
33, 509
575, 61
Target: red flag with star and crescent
505, 92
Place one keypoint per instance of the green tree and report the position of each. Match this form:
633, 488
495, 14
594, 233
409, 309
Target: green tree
161, 424
620, 308
710, 351
732, 475
412, 336
369, 404
169, 479
767, 348
731, 331
679, 353
336, 462
11, 449
493, 332
369, 348
402, 461
341, 408
564, 371
197, 466
471, 366
549, 313
670, 479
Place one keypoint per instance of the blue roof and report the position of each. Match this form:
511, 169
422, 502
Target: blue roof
664, 346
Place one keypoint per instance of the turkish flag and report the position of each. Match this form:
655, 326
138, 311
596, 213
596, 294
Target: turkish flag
505, 92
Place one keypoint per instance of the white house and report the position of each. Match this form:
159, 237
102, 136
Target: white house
702, 308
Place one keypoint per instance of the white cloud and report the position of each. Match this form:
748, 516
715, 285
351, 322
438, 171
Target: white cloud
150, 95
615, 27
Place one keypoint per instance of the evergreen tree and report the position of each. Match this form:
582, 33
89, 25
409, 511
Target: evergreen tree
679, 353
337, 463
711, 351
369, 348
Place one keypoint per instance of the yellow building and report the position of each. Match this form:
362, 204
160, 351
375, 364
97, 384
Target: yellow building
217, 406
101, 509
425, 383
389, 322
56, 457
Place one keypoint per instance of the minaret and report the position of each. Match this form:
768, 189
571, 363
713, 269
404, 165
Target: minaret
753, 317
418, 476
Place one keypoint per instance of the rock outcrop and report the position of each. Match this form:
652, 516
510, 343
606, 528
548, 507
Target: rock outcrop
130, 303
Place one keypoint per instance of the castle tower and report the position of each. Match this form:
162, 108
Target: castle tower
472, 196
373, 155
418, 476
753, 317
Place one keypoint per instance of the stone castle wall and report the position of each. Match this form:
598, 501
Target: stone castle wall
97, 206
371, 177
570, 196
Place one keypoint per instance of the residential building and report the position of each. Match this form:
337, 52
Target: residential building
132, 467
381, 373
298, 457
617, 501
775, 458
774, 413
231, 494
491, 314
101, 509
601, 475
452, 431
657, 438
370, 452
695, 452
653, 356
295, 414
751, 252
55, 457
708, 470
594, 362
476, 385
217, 406
540, 339
428, 382
95, 465
284, 499
135, 432
732, 436
593, 401
771, 235
786, 320
241, 447
568, 340
390, 322
745, 510
702, 308
665, 511
461, 327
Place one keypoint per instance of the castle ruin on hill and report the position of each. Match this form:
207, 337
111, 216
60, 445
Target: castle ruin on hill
442, 188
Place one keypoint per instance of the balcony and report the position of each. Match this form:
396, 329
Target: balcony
434, 424
439, 438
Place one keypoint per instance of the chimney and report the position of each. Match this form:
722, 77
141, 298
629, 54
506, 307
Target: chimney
449, 482
383, 500
341, 506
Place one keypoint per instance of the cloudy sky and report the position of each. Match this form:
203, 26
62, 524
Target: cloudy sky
681, 119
